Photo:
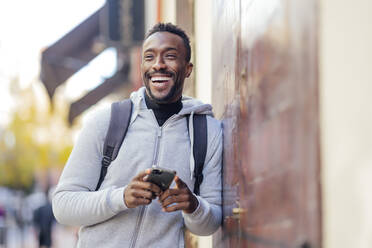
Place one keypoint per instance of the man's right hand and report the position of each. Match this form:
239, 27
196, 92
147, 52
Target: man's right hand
139, 192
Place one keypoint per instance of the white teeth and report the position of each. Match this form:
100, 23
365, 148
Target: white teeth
160, 78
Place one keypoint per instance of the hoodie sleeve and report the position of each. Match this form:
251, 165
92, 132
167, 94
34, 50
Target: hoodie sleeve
206, 219
75, 202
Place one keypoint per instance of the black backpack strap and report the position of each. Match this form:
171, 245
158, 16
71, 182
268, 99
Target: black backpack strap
119, 121
200, 147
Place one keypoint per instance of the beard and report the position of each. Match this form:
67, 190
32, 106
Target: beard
162, 100
174, 91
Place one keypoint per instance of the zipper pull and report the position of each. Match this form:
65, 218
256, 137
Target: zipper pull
159, 132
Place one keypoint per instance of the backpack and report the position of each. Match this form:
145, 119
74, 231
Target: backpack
120, 118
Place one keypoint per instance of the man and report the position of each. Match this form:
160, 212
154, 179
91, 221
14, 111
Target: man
2, 226
43, 221
127, 210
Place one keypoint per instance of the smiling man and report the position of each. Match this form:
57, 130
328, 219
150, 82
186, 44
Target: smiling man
128, 210
165, 64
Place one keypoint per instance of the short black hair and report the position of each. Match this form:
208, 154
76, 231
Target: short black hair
171, 28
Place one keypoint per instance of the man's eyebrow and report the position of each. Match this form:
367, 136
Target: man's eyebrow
166, 49
171, 49
149, 50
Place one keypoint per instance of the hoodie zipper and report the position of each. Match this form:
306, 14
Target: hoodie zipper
154, 164
158, 138
138, 226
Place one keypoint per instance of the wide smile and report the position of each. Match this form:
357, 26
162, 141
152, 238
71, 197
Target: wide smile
161, 81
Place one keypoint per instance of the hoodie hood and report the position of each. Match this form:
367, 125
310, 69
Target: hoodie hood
190, 106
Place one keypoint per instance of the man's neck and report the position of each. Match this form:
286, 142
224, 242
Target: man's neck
163, 111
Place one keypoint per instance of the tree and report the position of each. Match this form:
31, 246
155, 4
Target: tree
35, 139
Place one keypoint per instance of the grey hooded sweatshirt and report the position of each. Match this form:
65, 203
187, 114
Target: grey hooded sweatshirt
103, 216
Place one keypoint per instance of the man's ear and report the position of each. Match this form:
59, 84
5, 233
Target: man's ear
189, 69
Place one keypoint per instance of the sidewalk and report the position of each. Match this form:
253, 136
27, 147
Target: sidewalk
62, 237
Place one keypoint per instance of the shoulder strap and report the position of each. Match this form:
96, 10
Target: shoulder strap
200, 148
119, 122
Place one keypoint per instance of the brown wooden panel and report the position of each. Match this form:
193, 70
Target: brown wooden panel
265, 90
225, 98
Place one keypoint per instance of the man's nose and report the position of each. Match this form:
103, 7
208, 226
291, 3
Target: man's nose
159, 64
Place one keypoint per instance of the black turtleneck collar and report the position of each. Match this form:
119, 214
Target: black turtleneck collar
163, 111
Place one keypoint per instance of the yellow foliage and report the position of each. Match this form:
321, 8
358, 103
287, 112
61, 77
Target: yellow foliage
31, 141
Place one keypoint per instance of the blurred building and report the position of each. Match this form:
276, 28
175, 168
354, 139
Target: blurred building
290, 79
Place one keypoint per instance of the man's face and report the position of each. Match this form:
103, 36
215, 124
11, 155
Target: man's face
164, 67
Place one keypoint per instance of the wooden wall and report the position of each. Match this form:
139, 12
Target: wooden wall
265, 88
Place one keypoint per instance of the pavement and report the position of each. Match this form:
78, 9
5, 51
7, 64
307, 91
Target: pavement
63, 237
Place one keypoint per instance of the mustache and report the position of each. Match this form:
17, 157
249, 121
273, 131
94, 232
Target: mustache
148, 75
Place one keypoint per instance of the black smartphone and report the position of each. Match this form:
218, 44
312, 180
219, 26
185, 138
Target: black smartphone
161, 177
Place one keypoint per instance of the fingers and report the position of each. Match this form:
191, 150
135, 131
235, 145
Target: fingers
187, 203
146, 186
175, 199
142, 201
176, 207
134, 200
179, 183
134, 197
139, 192
141, 175
142, 194
170, 192
179, 198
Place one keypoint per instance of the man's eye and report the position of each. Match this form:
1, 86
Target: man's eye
148, 57
171, 56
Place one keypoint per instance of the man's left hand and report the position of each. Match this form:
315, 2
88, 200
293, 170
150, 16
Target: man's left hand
180, 198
